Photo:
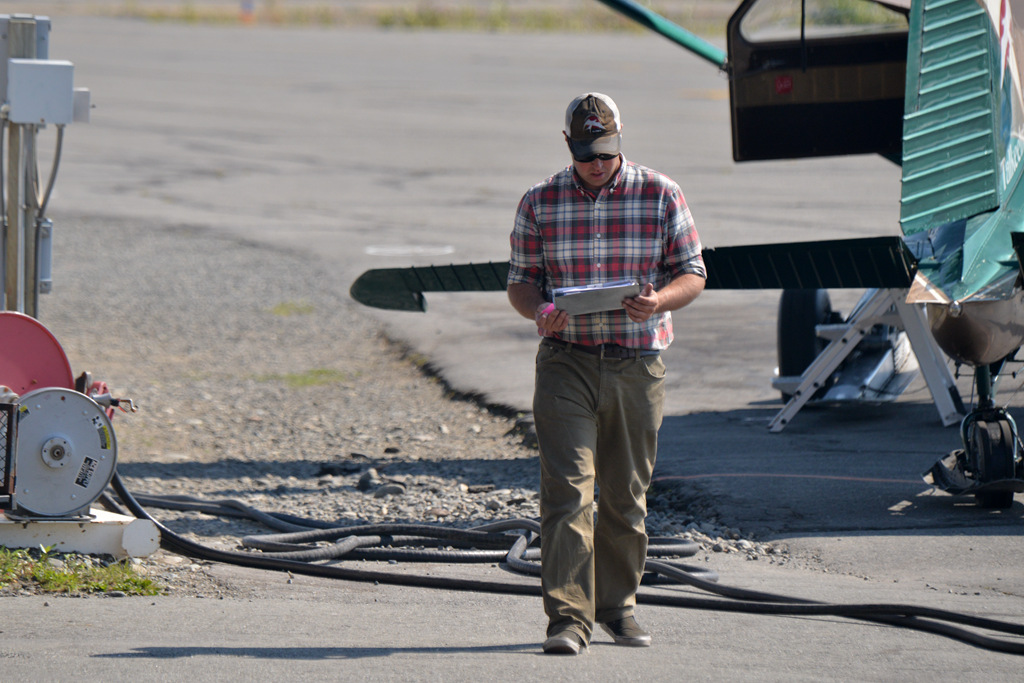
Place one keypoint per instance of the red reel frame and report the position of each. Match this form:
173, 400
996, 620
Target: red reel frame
30, 356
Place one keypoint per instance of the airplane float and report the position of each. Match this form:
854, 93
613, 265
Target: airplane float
932, 85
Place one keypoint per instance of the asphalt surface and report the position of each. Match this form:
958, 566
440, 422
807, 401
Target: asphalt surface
369, 149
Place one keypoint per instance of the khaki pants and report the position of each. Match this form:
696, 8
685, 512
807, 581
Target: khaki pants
597, 421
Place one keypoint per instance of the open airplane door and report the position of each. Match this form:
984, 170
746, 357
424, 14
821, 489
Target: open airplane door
817, 78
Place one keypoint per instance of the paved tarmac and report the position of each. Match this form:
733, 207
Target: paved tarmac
369, 149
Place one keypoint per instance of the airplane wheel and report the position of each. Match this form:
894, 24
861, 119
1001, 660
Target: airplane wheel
992, 446
798, 344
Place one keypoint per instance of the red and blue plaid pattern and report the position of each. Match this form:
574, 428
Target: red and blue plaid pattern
636, 227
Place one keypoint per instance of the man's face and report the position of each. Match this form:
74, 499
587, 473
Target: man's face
597, 173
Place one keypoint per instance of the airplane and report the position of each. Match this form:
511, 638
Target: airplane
931, 85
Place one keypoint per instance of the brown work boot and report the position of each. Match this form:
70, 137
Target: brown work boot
626, 631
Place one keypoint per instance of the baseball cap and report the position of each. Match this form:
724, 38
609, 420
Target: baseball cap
593, 126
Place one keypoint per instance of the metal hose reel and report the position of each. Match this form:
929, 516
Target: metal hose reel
65, 453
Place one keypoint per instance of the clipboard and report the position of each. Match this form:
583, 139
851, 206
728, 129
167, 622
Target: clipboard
605, 296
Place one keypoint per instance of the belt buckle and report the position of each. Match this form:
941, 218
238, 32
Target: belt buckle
613, 351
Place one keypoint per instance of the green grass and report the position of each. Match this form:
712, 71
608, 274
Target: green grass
286, 309
71, 575
310, 378
499, 16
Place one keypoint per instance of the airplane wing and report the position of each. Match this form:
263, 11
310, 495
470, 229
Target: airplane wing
833, 264
401, 289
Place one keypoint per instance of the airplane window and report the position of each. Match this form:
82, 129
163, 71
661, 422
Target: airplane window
779, 20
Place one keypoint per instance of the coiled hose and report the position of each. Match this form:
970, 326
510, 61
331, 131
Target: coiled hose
292, 551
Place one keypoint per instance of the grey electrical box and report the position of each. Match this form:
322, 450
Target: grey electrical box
40, 91
82, 105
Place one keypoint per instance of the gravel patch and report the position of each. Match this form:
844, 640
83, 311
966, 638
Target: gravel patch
259, 380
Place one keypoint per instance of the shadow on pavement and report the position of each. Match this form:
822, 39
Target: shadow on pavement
856, 469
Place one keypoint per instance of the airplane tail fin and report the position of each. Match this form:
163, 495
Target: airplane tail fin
962, 122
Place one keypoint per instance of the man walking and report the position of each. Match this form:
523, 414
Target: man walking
599, 376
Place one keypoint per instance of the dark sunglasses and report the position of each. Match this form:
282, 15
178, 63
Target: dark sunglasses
587, 160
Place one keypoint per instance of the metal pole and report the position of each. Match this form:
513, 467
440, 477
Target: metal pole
983, 381
21, 208
23, 44
12, 246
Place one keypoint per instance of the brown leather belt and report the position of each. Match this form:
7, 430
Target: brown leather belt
602, 350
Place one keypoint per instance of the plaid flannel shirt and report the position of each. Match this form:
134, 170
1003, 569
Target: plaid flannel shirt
636, 227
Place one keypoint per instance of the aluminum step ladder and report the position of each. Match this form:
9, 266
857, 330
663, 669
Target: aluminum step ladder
888, 307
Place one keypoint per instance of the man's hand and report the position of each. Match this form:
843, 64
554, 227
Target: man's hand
680, 292
642, 306
530, 303
550, 320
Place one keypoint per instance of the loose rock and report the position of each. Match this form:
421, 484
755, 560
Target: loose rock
314, 414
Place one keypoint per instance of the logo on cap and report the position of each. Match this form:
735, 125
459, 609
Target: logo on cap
592, 124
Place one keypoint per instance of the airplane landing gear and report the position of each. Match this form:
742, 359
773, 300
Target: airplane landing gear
992, 457
989, 465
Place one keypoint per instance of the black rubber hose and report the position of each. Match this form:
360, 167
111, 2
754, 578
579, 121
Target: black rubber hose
688, 576
471, 536
908, 616
175, 543
293, 543
905, 616
222, 508
368, 549
296, 543
342, 548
